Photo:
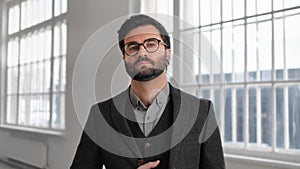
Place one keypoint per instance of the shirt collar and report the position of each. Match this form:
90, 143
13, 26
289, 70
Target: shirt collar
160, 99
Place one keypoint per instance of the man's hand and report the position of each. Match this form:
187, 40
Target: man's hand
149, 165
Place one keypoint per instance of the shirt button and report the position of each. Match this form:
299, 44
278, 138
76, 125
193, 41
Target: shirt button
147, 145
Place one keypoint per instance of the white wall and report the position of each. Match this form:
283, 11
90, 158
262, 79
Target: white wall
84, 18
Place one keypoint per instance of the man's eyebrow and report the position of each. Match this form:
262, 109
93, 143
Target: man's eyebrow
134, 42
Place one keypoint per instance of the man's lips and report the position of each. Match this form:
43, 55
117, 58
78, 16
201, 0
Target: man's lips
143, 63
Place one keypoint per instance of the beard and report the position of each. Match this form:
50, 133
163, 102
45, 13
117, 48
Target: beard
145, 73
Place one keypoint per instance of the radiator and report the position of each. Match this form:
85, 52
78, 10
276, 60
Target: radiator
30, 152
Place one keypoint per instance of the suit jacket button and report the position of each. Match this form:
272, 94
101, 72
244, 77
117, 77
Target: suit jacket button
140, 162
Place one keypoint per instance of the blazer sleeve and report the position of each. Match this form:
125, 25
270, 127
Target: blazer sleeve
212, 156
88, 153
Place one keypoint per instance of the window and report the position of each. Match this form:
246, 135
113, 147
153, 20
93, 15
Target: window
35, 70
257, 86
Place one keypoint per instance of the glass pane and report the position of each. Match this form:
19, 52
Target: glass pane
215, 55
228, 116
239, 55
189, 12
265, 50
13, 19
205, 57
23, 117
238, 9
280, 117
294, 116
292, 46
291, 3
264, 6
46, 75
34, 78
266, 116
25, 79
227, 10
11, 109
278, 4
251, 7
216, 11
59, 74
13, 52
58, 114
251, 51
12, 80
57, 7
252, 115
217, 103
227, 53
279, 48
205, 12
39, 111
240, 114
60, 39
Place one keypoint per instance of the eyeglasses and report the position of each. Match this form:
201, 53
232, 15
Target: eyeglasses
151, 45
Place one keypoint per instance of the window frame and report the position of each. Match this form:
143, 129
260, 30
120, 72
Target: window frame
278, 154
40, 25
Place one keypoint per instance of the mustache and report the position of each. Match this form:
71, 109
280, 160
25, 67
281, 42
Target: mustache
144, 59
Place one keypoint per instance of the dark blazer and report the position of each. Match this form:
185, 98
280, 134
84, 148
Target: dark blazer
194, 129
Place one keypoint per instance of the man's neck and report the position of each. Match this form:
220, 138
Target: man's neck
148, 90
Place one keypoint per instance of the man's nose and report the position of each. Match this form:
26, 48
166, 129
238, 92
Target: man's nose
142, 50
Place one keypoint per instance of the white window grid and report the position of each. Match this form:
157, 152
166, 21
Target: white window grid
35, 70
212, 19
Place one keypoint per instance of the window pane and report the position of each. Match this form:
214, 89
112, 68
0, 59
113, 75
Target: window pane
291, 3
294, 116
251, 7
227, 53
11, 109
252, 51
12, 79
239, 55
228, 116
13, 52
240, 114
279, 48
227, 10
264, 6
292, 46
252, 115
25, 79
215, 11
39, 110
58, 114
265, 50
59, 74
266, 116
13, 19
238, 9
205, 12
280, 117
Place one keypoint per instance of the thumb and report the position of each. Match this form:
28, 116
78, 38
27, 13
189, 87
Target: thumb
150, 165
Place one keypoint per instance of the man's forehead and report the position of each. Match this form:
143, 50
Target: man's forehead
146, 30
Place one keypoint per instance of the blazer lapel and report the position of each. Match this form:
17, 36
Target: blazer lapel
118, 110
183, 114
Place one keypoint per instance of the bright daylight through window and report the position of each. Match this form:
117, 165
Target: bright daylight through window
35, 73
258, 86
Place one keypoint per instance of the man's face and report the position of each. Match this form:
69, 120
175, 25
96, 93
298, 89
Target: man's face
145, 66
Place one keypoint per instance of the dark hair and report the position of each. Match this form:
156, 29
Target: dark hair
141, 20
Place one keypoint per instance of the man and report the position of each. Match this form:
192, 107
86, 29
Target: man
169, 128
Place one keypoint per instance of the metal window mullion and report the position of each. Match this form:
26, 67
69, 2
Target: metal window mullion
246, 99
222, 78
52, 68
273, 95
285, 93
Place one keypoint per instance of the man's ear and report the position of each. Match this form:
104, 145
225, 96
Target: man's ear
169, 55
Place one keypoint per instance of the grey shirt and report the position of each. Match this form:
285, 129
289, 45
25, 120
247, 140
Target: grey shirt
148, 117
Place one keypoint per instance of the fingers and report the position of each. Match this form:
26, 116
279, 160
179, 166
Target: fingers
149, 165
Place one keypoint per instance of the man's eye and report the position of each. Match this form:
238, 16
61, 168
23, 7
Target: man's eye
151, 45
134, 48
